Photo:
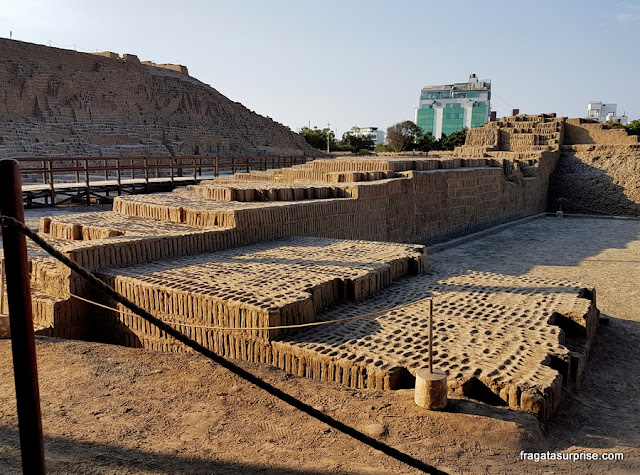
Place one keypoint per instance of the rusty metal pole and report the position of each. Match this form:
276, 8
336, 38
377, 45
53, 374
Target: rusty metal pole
2, 284
21, 321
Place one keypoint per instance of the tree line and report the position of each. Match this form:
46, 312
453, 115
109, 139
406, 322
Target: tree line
401, 137
350, 142
407, 136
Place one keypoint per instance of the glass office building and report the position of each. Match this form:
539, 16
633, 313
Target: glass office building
448, 108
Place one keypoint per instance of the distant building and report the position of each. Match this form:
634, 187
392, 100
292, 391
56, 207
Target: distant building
605, 112
372, 132
448, 108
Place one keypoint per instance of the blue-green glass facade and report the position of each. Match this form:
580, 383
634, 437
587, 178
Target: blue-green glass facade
426, 119
449, 108
452, 118
478, 114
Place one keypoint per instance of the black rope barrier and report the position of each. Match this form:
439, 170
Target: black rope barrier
292, 401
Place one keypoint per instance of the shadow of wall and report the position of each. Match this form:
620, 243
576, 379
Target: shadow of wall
597, 180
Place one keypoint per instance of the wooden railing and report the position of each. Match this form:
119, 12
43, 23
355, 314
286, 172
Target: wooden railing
55, 170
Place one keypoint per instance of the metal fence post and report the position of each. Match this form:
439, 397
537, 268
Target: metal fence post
21, 321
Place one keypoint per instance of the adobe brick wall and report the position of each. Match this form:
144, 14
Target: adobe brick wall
579, 131
419, 205
518, 134
159, 251
172, 67
597, 169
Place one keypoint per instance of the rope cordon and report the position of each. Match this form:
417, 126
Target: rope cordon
278, 327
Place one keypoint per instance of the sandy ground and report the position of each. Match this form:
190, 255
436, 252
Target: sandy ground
108, 409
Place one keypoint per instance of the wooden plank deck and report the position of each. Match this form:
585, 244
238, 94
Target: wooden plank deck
78, 179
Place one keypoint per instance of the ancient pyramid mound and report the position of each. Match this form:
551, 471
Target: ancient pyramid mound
56, 102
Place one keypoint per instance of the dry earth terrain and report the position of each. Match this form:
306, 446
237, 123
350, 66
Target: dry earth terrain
109, 409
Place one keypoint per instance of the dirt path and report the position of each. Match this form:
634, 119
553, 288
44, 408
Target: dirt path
109, 409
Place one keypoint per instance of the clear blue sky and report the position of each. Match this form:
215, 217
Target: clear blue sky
363, 62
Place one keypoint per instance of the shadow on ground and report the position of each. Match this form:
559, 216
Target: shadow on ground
64, 455
603, 412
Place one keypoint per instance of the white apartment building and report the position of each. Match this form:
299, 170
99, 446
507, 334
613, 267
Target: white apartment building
605, 112
372, 132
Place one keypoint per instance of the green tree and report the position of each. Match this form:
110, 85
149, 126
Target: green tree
456, 139
426, 143
317, 138
358, 142
401, 136
343, 147
383, 147
634, 127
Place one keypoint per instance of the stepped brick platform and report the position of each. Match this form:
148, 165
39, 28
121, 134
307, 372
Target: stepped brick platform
283, 282
313, 243
522, 134
502, 339
102, 225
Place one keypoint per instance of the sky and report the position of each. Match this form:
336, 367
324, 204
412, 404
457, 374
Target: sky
352, 62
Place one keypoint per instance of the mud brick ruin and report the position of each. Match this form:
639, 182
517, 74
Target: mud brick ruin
56, 102
334, 238
231, 260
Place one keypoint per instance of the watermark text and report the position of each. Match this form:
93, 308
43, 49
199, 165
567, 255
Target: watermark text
572, 456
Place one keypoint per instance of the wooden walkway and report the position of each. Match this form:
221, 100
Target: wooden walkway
59, 180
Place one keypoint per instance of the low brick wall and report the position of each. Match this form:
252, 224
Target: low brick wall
577, 131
